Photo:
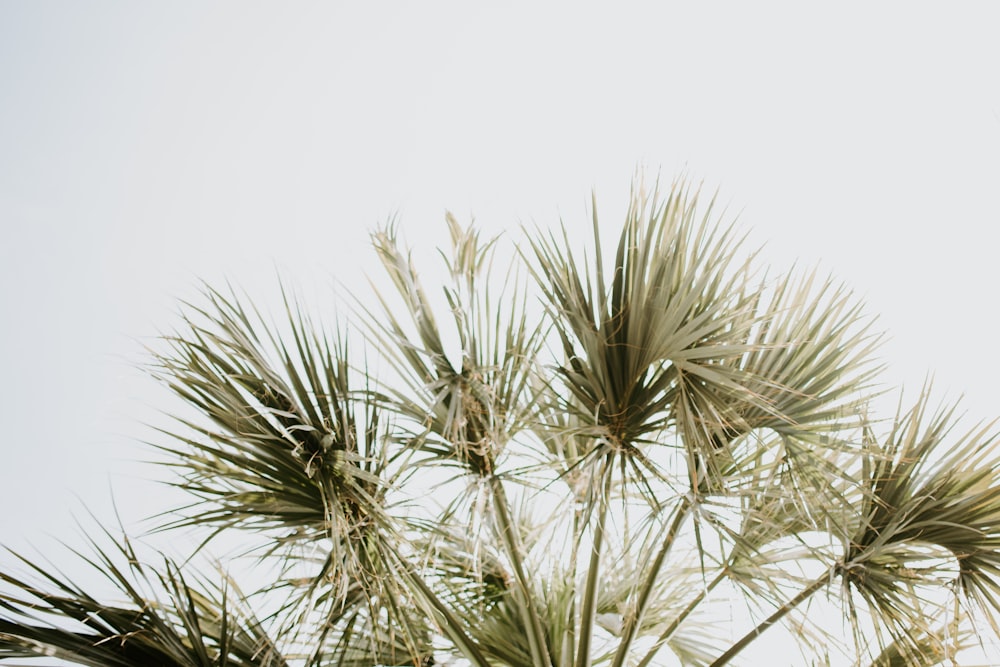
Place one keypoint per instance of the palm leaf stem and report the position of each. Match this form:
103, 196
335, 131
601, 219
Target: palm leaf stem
676, 623
511, 539
642, 599
567, 655
748, 638
588, 610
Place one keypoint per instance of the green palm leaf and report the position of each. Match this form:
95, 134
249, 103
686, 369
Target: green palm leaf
159, 619
465, 401
285, 444
674, 307
928, 494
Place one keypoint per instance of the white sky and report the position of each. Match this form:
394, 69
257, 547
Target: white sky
144, 146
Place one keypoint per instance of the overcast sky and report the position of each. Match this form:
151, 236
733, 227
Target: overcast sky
145, 146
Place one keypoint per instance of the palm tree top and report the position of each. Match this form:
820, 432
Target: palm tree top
571, 458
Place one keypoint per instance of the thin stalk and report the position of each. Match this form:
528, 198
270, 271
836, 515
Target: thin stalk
512, 542
588, 611
642, 599
672, 628
803, 595
568, 656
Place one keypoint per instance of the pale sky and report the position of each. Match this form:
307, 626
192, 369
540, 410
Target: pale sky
145, 146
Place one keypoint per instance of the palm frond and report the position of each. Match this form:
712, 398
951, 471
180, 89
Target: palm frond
806, 375
468, 400
931, 497
811, 364
676, 304
286, 445
283, 445
159, 619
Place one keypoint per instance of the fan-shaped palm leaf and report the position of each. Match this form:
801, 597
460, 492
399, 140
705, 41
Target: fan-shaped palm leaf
289, 445
675, 305
160, 619
926, 489
466, 402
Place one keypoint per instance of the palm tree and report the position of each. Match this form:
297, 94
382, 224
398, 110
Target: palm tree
573, 460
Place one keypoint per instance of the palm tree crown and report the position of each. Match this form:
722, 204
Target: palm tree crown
562, 460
